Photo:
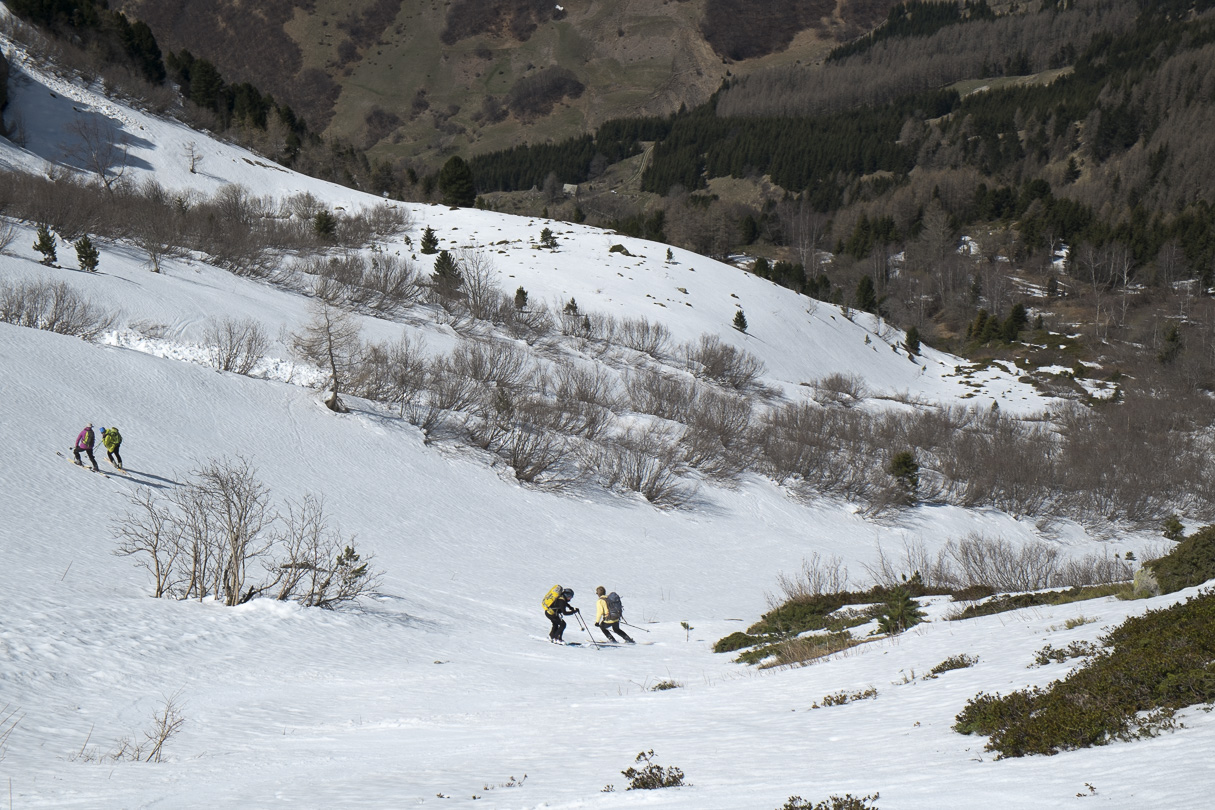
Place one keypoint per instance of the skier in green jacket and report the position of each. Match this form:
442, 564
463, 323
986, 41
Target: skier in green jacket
112, 439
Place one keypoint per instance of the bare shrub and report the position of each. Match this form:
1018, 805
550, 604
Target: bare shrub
8, 234
933, 571
1092, 569
395, 373
534, 453
450, 390
718, 439
319, 566
393, 280
644, 460
846, 390
711, 357
226, 521
1001, 565
655, 393
819, 576
641, 335
529, 323
53, 307
9, 719
502, 364
151, 533
235, 345
481, 289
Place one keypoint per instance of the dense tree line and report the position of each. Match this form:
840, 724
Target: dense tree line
915, 19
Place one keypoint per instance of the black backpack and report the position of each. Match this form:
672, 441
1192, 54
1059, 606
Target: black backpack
615, 609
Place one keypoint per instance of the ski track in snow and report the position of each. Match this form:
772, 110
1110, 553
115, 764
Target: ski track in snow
443, 683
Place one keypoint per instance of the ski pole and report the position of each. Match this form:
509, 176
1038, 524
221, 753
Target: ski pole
635, 627
578, 613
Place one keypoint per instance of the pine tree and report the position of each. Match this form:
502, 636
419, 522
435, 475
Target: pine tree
520, 299
906, 472
866, 295
46, 245
447, 278
547, 239
740, 321
86, 254
1172, 346
430, 242
1173, 529
324, 225
456, 183
912, 342
899, 612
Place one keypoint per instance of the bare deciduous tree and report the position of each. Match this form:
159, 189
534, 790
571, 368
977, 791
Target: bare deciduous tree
235, 345
331, 340
98, 147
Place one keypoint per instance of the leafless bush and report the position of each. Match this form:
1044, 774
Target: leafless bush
319, 566
303, 207
146, 746
1003, 566
719, 440
235, 345
382, 283
481, 290
1092, 569
534, 453
641, 335
819, 576
723, 363
645, 461
387, 219
655, 393
395, 373
8, 234
450, 390
840, 389
225, 518
502, 364
9, 719
151, 534
934, 571
530, 323
53, 307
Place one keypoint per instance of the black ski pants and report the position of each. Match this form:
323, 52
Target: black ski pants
115, 459
608, 626
88, 450
558, 626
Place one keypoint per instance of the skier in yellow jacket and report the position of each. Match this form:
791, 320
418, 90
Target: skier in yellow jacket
608, 613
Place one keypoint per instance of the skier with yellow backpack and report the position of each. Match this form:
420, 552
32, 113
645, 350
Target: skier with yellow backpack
556, 605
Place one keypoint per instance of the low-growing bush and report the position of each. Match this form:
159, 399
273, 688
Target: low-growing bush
1077, 649
843, 697
953, 662
1191, 563
719, 361
651, 776
845, 802
1155, 664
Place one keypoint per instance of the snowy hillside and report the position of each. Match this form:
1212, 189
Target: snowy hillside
442, 689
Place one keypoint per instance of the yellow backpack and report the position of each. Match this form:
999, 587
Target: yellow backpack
553, 595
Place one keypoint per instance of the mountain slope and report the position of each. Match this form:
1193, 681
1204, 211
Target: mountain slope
444, 683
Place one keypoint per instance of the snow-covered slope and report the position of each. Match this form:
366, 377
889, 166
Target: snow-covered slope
444, 686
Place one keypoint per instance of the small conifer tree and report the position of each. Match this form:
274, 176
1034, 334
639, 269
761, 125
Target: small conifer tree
447, 278
571, 307
520, 299
1172, 528
912, 343
547, 239
46, 245
906, 472
430, 242
899, 612
86, 254
324, 225
740, 321
866, 295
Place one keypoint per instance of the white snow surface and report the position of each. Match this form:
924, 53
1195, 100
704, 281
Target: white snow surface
443, 686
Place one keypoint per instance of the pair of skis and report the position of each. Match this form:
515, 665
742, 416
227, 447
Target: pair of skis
84, 466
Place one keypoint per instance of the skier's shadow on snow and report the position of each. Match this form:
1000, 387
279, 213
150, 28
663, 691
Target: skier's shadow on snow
148, 480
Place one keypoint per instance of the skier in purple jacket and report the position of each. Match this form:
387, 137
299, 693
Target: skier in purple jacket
85, 442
